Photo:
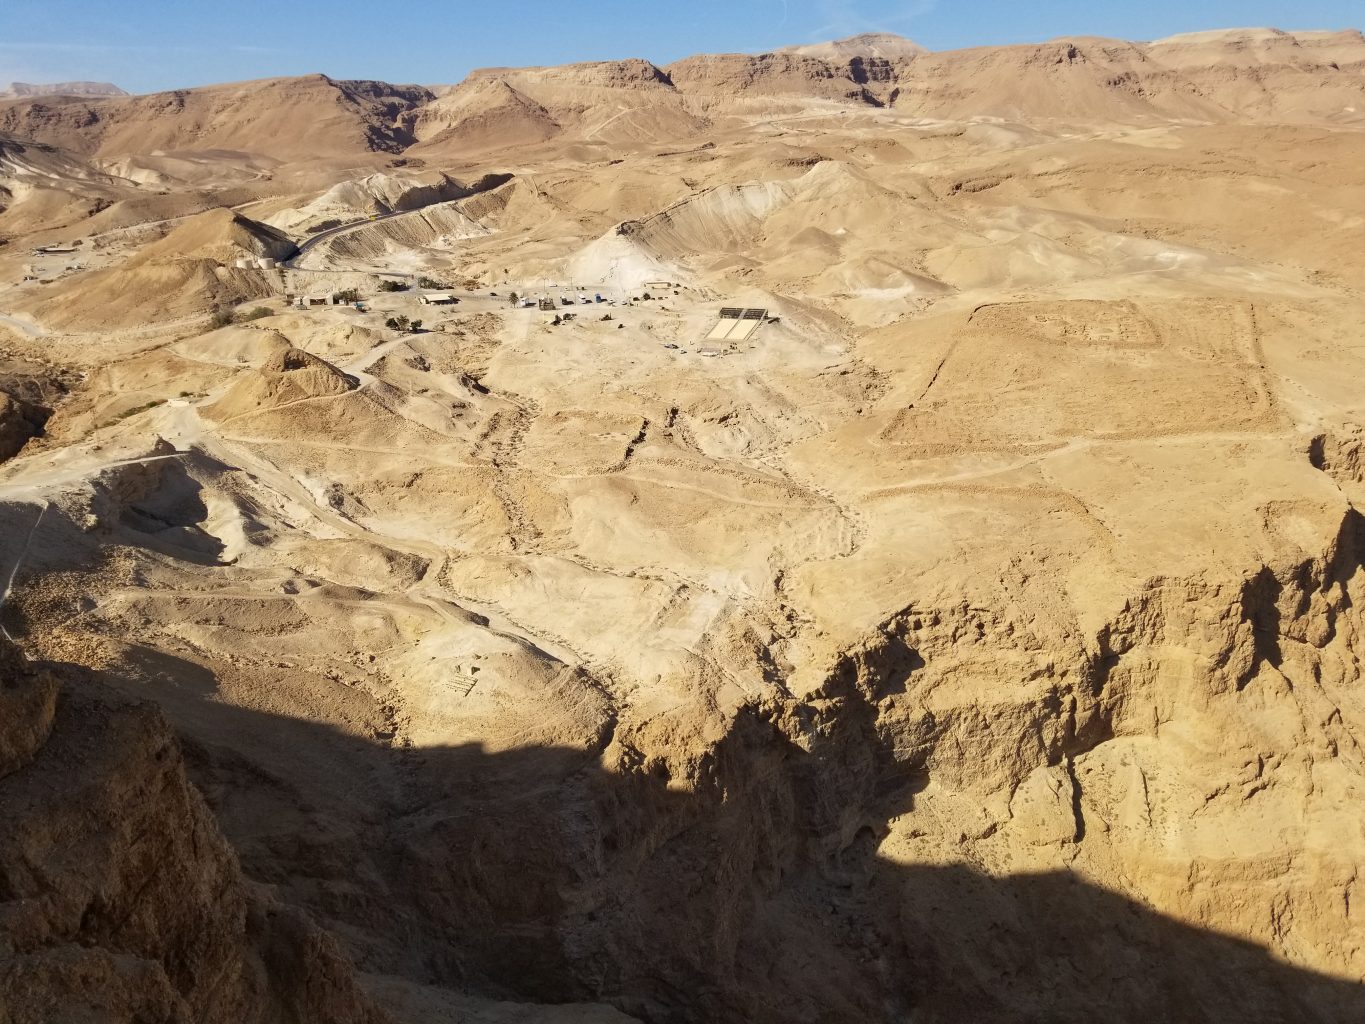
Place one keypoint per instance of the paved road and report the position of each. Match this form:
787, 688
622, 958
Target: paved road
340, 229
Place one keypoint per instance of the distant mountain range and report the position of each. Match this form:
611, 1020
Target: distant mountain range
24, 90
870, 44
1262, 76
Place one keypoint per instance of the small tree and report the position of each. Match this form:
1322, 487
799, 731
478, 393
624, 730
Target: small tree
397, 323
415, 326
221, 318
512, 299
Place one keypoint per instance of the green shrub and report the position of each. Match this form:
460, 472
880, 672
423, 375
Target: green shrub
392, 286
140, 408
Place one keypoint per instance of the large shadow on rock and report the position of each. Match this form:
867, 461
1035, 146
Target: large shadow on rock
167, 514
755, 892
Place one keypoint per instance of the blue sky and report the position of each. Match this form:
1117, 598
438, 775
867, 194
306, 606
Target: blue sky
147, 45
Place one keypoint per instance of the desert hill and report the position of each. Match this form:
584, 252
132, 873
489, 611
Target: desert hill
218, 235
188, 273
380, 193
481, 115
609, 102
284, 378
282, 118
43, 188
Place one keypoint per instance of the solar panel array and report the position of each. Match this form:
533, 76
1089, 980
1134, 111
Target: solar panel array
736, 324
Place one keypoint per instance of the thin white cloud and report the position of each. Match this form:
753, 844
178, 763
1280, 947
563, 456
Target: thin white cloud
37, 47
59, 47
913, 12
846, 18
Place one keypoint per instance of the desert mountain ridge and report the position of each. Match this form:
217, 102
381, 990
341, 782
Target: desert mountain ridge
1264, 75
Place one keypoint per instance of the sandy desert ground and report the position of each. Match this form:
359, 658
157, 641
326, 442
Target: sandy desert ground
973, 634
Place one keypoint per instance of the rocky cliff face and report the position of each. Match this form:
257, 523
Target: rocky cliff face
771, 74
120, 901
964, 817
19, 421
757, 875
